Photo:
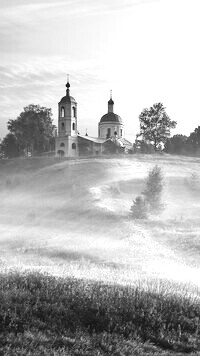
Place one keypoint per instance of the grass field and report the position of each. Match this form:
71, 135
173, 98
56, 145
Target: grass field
71, 219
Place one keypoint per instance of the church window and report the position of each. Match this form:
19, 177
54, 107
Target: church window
74, 111
62, 144
108, 133
73, 126
121, 132
115, 133
62, 111
62, 125
73, 146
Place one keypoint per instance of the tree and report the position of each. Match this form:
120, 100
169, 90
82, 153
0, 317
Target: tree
155, 125
150, 200
178, 144
194, 141
153, 189
9, 146
139, 208
33, 129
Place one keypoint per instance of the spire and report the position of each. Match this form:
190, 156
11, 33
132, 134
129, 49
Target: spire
110, 103
67, 85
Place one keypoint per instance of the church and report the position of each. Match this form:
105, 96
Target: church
69, 143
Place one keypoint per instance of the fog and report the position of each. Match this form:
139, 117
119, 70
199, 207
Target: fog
72, 218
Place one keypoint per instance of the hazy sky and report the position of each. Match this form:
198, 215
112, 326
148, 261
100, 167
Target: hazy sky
146, 51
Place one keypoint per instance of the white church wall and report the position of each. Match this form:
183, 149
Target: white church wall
113, 126
67, 146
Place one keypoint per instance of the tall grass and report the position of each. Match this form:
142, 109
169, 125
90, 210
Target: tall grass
60, 307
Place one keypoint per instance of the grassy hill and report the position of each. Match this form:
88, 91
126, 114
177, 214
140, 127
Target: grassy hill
71, 219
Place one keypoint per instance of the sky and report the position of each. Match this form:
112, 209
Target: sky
145, 51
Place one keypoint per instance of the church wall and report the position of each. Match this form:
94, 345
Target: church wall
73, 148
103, 129
89, 148
67, 146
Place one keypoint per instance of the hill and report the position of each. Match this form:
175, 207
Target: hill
71, 219
58, 216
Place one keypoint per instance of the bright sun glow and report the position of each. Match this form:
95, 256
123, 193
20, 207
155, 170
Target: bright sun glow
145, 51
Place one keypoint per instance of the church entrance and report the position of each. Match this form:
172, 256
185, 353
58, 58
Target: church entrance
61, 153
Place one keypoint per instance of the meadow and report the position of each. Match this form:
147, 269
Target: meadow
79, 276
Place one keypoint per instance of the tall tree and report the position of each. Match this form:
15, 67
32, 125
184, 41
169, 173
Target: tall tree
33, 129
9, 147
155, 125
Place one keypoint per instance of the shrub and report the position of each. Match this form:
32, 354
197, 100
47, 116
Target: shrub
141, 146
150, 200
193, 182
139, 208
153, 190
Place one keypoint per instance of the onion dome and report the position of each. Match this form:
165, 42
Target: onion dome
111, 102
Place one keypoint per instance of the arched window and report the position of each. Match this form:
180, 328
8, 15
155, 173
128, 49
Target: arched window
108, 133
73, 126
121, 132
74, 111
73, 146
62, 111
62, 144
115, 133
62, 125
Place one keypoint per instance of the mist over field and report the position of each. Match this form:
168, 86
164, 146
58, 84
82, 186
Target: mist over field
72, 218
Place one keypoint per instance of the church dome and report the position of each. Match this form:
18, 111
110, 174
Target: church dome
110, 116
66, 99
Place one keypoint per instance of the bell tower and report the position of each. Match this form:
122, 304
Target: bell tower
67, 138
67, 114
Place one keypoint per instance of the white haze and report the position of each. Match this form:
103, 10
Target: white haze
71, 218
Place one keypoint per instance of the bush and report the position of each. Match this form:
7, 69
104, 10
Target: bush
139, 208
141, 146
150, 200
153, 191
193, 182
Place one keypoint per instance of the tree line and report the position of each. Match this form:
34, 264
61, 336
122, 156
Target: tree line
33, 133
155, 132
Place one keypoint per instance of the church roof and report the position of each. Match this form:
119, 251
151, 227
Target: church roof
123, 142
93, 139
126, 142
66, 99
110, 116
